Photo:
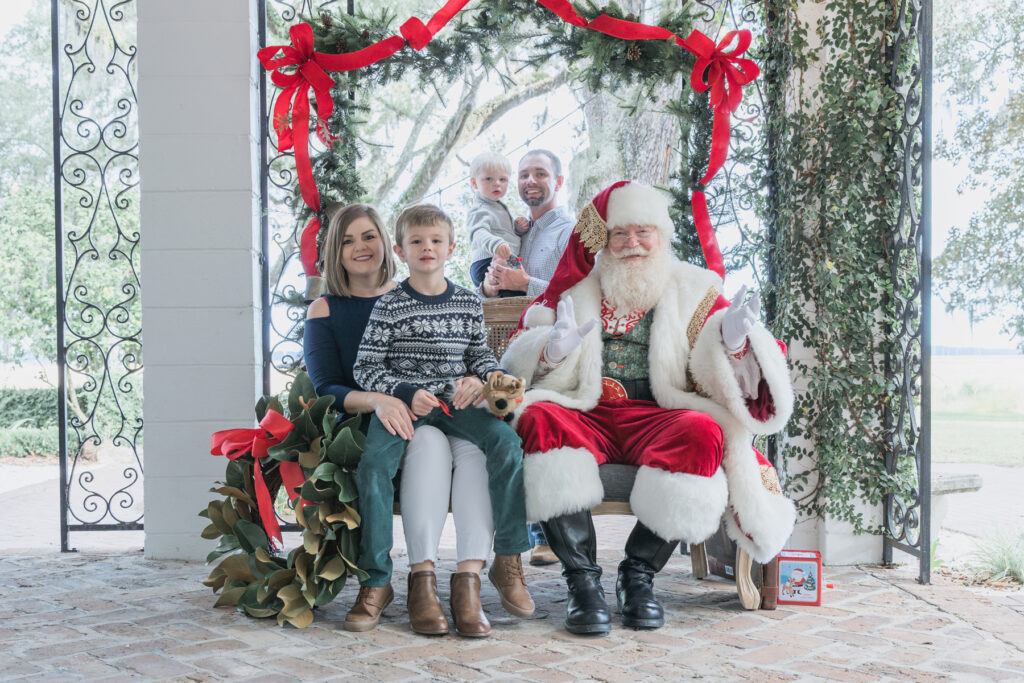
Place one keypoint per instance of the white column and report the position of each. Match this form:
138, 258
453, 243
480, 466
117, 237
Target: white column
201, 305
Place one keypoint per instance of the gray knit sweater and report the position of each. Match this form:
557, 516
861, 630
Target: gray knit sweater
489, 223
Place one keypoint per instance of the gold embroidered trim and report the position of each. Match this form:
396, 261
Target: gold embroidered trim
770, 479
700, 315
592, 229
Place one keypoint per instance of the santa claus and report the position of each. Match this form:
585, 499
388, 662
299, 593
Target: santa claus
632, 356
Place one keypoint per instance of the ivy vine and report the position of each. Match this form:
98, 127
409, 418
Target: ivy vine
832, 123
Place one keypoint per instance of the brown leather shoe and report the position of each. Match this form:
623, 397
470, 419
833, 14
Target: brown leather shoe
370, 603
467, 612
542, 555
426, 615
506, 574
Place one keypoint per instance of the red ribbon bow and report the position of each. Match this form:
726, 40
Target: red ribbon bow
234, 443
727, 73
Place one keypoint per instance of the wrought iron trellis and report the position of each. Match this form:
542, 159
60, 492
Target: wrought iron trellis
283, 300
908, 521
96, 200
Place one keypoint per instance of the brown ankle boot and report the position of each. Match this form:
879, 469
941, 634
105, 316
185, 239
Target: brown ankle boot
467, 612
369, 605
426, 615
506, 574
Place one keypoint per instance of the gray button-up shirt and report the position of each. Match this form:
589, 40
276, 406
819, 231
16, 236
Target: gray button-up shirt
542, 246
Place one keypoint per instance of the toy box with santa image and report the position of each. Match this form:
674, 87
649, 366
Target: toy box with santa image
799, 577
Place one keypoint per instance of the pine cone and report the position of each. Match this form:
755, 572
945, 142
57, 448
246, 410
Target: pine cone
633, 53
325, 18
365, 34
341, 46
630, 17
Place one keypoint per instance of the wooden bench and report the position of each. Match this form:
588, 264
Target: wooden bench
501, 317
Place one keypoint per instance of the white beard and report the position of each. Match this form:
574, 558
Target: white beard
633, 286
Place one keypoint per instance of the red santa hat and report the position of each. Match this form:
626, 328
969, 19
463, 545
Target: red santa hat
622, 203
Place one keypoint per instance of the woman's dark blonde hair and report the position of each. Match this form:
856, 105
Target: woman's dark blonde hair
337, 226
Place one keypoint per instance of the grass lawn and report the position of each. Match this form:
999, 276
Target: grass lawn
992, 440
978, 409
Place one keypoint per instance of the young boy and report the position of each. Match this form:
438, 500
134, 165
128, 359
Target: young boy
492, 232
425, 344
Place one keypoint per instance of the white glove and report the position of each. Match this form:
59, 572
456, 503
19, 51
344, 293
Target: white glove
739, 319
565, 335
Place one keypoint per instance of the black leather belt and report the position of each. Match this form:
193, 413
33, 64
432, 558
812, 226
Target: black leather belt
636, 389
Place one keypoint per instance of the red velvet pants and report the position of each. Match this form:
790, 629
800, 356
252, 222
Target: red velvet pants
629, 432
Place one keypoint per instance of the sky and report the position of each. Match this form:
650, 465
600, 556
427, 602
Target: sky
13, 12
949, 207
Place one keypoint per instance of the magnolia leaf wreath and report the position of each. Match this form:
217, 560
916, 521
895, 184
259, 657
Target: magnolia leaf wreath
314, 456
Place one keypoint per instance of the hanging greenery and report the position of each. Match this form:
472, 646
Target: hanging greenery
833, 122
478, 39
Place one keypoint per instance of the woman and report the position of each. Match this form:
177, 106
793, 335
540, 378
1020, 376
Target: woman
359, 268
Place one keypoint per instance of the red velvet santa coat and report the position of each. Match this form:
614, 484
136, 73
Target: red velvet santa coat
674, 505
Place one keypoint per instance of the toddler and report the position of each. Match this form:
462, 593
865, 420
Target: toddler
492, 232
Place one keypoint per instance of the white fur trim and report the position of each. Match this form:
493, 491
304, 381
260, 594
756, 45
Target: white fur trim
768, 533
766, 517
639, 204
775, 371
523, 354
711, 370
538, 315
677, 506
560, 481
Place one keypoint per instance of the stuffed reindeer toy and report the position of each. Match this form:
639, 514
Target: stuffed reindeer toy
503, 393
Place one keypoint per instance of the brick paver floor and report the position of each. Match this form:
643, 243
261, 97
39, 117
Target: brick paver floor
118, 616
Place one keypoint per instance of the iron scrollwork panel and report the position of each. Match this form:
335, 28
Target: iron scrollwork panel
284, 309
284, 305
97, 232
737, 194
907, 518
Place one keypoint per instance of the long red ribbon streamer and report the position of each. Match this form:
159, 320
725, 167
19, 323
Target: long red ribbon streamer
706, 233
234, 443
718, 68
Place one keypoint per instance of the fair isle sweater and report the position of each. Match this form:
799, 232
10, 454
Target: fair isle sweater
414, 341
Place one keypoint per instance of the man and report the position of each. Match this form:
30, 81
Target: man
644, 362
539, 178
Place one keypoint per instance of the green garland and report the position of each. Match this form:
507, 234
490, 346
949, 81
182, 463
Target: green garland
477, 36
833, 199
250, 578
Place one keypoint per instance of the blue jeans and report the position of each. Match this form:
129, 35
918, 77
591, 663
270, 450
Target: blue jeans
536, 533
379, 465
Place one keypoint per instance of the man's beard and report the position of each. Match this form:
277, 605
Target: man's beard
536, 201
633, 285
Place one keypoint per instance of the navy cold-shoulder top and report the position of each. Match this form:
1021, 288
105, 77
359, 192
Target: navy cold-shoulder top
330, 345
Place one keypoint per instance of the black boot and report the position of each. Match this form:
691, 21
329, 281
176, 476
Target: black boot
646, 555
574, 541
